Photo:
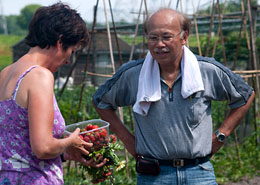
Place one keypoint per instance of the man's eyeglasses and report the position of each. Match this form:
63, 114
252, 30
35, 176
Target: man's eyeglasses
165, 38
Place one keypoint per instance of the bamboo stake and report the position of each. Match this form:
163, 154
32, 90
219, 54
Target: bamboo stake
136, 30
210, 27
181, 6
196, 28
109, 38
145, 17
252, 72
215, 44
177, 4
114, 27
255, 121
141, 55
247, 72
237, 149
247, 35
221, 33
121, 115
253, 47
240, 34
146, 10
101, 75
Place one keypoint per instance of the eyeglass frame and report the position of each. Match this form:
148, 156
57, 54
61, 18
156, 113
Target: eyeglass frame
156, 39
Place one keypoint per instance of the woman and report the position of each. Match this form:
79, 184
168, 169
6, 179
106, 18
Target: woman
30, 121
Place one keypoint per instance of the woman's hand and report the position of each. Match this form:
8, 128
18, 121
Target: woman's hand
75, 154
79, 149
79, 144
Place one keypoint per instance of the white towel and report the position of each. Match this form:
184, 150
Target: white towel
190, 72
149, 87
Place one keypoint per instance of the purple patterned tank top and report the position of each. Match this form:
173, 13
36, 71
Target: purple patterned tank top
18, 164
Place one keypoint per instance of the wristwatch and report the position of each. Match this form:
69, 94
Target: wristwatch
220, 136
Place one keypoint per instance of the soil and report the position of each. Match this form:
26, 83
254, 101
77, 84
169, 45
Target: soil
246, 181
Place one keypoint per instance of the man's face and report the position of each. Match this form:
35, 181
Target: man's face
165, 37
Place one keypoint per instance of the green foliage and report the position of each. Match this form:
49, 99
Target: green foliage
18, 24
231, 6
26, 15
238, 165
238, 160
129, 39
13, 27
6, 41
230, 39
80, 177
69, 102
113, 164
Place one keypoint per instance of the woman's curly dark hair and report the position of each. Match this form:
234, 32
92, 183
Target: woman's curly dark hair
58, 21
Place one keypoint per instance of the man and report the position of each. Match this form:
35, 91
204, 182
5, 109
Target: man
171, 93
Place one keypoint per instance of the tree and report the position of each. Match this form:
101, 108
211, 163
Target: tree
13, 27
26, 15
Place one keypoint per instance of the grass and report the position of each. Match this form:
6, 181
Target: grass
129, 39
6, 42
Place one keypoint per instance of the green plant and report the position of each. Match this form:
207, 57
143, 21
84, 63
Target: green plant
6, 41
69, 103
236, 169
113, 163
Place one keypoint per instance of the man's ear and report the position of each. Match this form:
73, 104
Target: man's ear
185, 35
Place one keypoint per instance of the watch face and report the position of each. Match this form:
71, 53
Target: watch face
221, 137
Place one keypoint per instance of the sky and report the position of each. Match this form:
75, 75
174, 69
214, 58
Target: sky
122, 9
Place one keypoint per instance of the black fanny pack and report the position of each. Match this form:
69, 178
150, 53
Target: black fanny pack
147, 165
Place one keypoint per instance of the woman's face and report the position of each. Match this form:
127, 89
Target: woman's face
63, 56
68, 52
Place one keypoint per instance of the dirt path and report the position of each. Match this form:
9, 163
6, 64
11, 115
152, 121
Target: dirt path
247, 181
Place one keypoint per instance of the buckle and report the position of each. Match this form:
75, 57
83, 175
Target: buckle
178, 162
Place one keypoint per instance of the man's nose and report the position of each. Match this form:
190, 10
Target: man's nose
160, 42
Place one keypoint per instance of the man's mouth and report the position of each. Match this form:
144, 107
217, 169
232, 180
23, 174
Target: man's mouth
161, 51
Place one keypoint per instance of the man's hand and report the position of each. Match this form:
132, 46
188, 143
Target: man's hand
231, 122
216, 145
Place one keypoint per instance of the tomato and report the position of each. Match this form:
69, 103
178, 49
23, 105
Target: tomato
95, 126
103, 133
89, 127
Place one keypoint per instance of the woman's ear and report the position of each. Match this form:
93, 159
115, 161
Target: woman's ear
59, 42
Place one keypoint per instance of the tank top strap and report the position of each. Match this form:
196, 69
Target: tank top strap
20, 79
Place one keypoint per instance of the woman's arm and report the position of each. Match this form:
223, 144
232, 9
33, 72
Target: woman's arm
41, 116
